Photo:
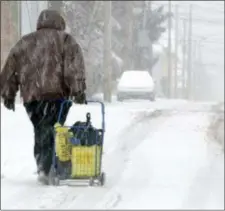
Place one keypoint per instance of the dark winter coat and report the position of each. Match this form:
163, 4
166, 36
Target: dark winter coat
45, 65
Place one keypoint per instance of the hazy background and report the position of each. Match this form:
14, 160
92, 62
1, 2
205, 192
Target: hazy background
208, 25
19, 18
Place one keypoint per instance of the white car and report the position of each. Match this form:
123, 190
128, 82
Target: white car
136, 84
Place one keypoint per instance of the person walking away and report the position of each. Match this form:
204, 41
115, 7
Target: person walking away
48, 67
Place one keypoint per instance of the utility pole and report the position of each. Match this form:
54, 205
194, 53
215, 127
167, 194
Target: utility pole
107, 51
169, 53
129, 33
150, 47
198, 70
189, 63
194, 69
176, 48
184, 59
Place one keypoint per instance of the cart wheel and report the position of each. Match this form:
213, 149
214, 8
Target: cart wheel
53, 179
102, 179
91, 182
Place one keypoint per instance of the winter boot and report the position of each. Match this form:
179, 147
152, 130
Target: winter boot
42, 177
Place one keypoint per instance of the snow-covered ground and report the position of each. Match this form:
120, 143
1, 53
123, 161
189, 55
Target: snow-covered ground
156, 156
216, 127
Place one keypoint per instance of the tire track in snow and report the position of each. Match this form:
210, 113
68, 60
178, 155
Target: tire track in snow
144, 121
108, 203
115, 162
209, 180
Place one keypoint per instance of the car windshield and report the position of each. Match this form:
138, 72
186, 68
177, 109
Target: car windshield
135, 78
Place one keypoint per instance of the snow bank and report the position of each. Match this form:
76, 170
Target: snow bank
165, 170
216, 127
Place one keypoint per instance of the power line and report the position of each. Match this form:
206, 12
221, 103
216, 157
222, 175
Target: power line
183, 6
210, 9
215, 42
202, 20
185, 14
169, 53
212, 65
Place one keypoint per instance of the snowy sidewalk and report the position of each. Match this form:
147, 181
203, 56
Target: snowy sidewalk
155, 156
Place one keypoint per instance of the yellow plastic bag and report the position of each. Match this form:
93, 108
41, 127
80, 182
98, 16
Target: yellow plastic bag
86, 161
63, 146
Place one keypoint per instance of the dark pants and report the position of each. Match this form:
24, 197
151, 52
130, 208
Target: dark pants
44, 115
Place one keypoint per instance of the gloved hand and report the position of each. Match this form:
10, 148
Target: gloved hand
80, 98
9, 104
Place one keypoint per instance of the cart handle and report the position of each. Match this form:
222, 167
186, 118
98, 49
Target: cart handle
88, 101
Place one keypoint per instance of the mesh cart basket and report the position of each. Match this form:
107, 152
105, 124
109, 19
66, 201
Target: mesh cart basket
78, 151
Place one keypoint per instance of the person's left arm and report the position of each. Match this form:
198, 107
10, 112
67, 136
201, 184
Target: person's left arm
9, 80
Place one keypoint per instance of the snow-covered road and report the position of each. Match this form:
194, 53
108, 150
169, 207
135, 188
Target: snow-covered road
156, 156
